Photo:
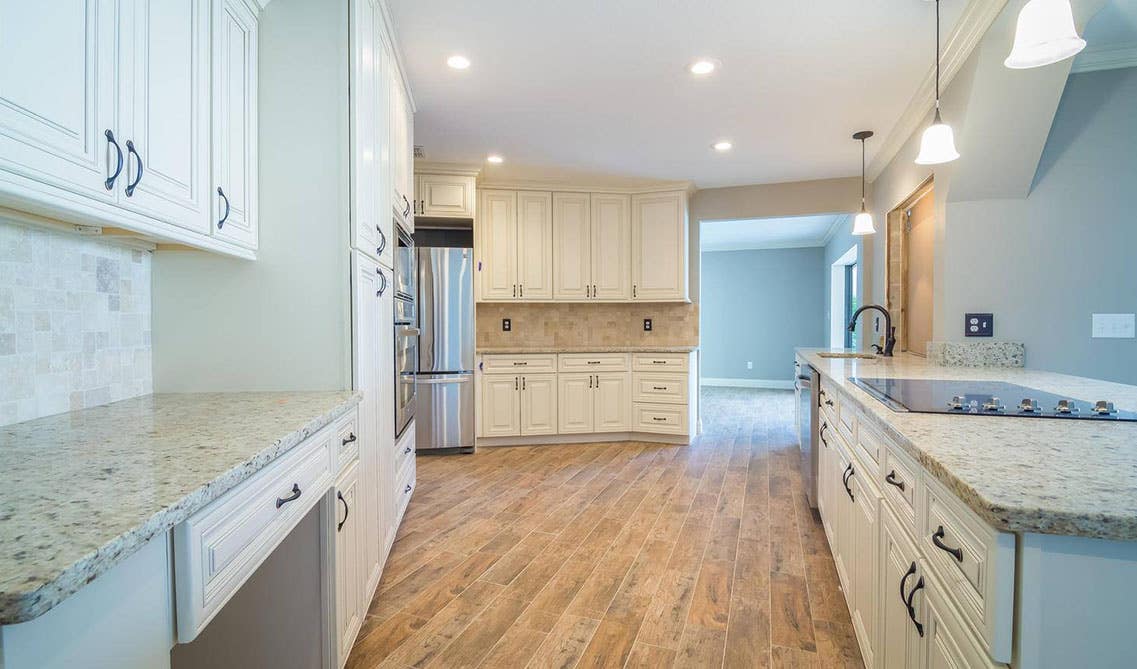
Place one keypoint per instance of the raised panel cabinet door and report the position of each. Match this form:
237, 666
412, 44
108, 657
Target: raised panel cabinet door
534, 246
572, 246
900, 572
611, 247
57, 100
841, 505
497, 246
501, 405
576, 402
165, 88
347, 576
394, 130
864, 565
366, 78
659, 247
539, 404
613, 399
409, 157
234, 192
445, 196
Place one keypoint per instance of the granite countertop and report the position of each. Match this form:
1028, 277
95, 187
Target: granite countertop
585, 349
1076, 478
82, 491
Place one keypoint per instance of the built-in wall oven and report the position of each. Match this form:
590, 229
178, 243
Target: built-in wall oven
406, 332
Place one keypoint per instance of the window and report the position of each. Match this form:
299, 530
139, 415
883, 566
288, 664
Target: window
851, 302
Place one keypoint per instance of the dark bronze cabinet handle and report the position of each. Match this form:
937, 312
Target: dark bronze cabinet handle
407, 208
346, 511
118, 163
659, 388
281, 501
383, 285
225, 216
892, 480
848, 475
382, 241
912, 595
406, 450
141, 169
349, 439
821, 433
957, 553
407, 489
523, 383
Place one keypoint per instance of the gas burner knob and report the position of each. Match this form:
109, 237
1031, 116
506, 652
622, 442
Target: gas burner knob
1103, 408
1028, 406
956, 403
1066, 407
993, 404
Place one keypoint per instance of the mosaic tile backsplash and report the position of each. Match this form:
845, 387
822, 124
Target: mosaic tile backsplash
74, 323
582, 325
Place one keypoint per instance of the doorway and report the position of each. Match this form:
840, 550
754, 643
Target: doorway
911, 268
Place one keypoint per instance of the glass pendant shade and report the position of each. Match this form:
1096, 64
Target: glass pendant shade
862, 224
1045, 34
937, 145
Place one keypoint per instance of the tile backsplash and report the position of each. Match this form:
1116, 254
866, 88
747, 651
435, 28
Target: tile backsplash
572, 325
74, 322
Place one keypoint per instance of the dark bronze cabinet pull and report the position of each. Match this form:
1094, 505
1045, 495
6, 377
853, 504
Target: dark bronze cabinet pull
848, 475
118, 164
383, 285
821, 433
912, 595
659, 388
225, 216
349, 439
407, 489
346, 511
589, 380
957, 553
892, 480
138, 178
407, 208
523, 383
406, 449
281, 501
382, 241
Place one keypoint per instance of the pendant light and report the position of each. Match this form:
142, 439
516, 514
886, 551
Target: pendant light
862, 224
937, 146
1045, 34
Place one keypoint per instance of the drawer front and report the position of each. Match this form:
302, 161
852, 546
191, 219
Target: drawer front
512, 364
662, 418
404, 450
665, 388
405, 482
868, 441
218, 548
901, 483
659, 362
828, 399
950, 643
347, 440
846, 417
593, 362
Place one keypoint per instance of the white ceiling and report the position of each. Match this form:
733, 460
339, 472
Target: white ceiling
768, 233
601, 86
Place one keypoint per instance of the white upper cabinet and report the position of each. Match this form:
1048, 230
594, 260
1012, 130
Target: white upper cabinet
369, 110
234, 190
572, 246
445, 196
534, 246
497, 246
165, 87
659, 247
401, 132
611, 247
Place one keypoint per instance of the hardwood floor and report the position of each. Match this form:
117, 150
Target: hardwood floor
616, 555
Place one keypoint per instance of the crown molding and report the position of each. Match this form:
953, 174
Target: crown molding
1105, 58
965, 36
450, 169
768, 246
837, 223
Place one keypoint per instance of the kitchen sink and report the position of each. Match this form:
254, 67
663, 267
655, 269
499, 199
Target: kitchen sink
850, 354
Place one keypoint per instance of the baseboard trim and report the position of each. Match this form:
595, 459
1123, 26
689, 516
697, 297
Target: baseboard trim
589, 438
770, 384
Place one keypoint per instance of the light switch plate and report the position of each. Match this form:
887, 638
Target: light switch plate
1114, 326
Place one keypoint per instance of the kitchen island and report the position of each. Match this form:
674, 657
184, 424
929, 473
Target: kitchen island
1009, 526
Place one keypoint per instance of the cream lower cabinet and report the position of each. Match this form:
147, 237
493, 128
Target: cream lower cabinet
592, 403
351, 601
902, 586
515, 404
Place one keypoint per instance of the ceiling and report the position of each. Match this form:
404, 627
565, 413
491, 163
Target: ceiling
768, 233
602, 87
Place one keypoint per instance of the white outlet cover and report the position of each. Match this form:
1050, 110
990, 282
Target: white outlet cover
1114, 326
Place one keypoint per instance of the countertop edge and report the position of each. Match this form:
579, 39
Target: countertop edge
523, 350
22, 607
1001, 518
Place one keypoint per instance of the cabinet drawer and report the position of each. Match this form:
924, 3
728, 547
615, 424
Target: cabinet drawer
666, 388
513, 364
218, 548
347, 440
404, 450
846, 417
869, 444
662, 418
974, 563
405, 486
593, 362
901, 483
659, 362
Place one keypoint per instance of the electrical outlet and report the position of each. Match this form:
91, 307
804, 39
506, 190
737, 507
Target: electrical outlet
979, 325
506, 325
749, 364
1113, 326
647, 325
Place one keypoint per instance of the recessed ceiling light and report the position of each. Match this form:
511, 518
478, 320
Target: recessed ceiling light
703, 66
722, 146
458, 62
495, 159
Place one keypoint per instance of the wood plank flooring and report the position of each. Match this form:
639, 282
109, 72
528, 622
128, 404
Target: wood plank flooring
616, 555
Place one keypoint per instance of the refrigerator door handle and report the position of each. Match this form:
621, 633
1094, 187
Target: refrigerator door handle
440, 380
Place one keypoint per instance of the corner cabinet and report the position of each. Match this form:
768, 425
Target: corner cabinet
659, 247
122, 136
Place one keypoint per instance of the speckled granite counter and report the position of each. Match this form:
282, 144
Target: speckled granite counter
1075, 478
81, 491
490, 350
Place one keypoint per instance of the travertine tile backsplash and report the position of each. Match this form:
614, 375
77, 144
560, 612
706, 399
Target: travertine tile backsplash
74, 322
570, 325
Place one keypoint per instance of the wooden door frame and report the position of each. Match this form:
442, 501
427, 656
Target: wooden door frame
896, 249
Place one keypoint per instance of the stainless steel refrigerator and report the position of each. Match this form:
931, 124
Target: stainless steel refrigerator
445, 410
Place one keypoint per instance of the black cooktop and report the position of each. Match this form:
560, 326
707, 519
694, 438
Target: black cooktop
985, 398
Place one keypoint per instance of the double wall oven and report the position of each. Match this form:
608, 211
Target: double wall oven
406, 332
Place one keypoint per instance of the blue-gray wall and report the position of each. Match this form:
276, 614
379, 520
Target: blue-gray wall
839, 245
759, 306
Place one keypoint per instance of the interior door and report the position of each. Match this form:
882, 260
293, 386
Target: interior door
497, 246
57, 95
534, 246
572, 246
234, 117
501, 405
165, 66
576, 403
611, 243
920, 226
659, 247
612, 396
539, 404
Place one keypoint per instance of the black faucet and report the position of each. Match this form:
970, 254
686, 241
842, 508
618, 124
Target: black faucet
890, 332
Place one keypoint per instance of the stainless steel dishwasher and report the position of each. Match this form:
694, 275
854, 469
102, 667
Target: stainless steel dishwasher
806, 386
